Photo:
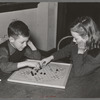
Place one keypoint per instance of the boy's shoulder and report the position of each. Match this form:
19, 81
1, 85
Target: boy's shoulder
3, 46
4, 43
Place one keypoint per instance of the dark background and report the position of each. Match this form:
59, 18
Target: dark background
13, 6
68, 12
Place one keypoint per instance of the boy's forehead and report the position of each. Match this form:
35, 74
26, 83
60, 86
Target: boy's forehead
21, 37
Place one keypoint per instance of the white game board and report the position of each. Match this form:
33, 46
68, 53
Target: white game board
52, 75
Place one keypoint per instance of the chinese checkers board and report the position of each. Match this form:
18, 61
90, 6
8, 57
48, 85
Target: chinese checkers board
52, 75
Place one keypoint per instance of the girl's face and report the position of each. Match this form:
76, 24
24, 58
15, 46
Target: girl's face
77, 38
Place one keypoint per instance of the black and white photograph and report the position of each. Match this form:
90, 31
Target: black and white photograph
49, 50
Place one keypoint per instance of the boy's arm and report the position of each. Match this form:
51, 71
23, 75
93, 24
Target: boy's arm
8, 67
5, 65
32, 54
31, 45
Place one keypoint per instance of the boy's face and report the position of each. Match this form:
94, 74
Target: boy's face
20, 43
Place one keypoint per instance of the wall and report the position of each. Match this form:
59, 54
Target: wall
27, 16
41, 21
47, 25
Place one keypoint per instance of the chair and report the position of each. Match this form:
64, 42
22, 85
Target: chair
62, 43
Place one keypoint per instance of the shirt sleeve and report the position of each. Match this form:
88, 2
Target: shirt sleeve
5, 65
32, 54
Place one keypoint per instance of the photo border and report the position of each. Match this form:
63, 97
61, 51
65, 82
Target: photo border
49, 1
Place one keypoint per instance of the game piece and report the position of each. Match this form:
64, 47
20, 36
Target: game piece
52, 75
41, 73
32, 73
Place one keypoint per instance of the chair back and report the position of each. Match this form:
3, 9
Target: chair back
64, 41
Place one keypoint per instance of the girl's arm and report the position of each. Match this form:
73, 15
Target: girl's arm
64, 52
85, 64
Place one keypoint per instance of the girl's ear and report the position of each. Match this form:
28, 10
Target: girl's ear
11, 39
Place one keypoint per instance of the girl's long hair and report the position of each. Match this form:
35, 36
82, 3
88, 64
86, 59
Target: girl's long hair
86, 26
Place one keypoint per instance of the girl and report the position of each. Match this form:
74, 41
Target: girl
83, 50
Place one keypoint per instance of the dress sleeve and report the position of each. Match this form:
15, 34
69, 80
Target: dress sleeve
85, 64
5, 65
32, 54
64, 52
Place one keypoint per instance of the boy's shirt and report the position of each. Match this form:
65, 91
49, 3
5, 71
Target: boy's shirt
9, 56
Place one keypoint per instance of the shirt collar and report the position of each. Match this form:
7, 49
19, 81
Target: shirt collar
11, 48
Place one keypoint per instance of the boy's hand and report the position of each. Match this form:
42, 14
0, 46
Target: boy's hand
47, 60
33, 64
30, 44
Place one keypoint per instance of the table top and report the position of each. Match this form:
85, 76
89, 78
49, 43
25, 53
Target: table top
76, 87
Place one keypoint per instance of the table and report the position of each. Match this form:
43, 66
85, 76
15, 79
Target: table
77, 87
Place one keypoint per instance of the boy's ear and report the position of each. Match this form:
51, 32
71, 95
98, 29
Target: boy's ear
11, 39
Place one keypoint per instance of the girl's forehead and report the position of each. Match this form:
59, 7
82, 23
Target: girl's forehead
75, 34
79, 27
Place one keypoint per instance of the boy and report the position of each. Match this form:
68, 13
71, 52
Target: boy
16, 48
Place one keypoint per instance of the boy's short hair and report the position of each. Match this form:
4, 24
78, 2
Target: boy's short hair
17, 28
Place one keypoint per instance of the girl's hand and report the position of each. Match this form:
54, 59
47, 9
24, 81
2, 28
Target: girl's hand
47, 60
81, 47
30, 44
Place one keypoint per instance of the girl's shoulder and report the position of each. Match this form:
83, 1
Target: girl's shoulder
94, 52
